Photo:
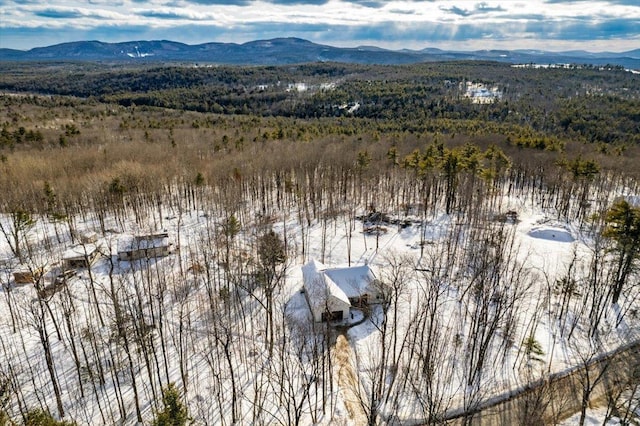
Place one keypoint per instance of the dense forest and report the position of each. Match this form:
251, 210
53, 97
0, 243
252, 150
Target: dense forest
253, 171
582, 104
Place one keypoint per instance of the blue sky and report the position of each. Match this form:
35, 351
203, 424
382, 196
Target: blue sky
612, 25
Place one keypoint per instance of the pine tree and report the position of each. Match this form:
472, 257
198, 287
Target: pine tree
623, 226
174, 413
43, 418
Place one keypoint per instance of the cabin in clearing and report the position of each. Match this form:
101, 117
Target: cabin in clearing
331, 292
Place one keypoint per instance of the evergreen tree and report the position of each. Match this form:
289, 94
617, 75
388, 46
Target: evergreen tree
43, 418
623, 226
174, 413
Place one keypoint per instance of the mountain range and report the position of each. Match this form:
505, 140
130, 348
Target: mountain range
283, 51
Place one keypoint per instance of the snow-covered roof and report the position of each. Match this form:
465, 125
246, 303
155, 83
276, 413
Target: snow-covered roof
350, 282
79, 251
354, 280
143, 242
319, 286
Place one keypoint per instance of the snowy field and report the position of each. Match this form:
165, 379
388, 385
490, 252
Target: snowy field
477, 305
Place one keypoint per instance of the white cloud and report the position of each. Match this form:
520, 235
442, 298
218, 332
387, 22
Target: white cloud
466, 23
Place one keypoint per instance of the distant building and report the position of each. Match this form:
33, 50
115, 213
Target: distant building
480, 94
331, 292
89, 237
80, 256
326, 300
144, 246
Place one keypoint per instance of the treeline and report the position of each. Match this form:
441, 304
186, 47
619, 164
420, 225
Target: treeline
104, 81
82, 146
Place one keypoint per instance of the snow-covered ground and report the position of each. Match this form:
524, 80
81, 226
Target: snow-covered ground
478, 309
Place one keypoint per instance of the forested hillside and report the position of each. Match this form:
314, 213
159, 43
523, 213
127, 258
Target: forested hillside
578, 103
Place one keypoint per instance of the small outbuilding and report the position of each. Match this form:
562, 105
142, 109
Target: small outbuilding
80, 256
144, 246
89, 237
331, 292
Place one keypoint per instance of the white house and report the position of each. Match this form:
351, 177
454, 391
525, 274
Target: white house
359, 283
331, 292
326, 300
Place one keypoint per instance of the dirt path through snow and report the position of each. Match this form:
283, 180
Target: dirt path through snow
348, 382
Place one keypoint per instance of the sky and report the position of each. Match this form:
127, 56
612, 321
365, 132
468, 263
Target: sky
556, 25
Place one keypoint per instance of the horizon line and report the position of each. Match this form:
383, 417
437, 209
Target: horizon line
359, 46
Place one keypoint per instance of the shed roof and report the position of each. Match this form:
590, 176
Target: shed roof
143, 242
